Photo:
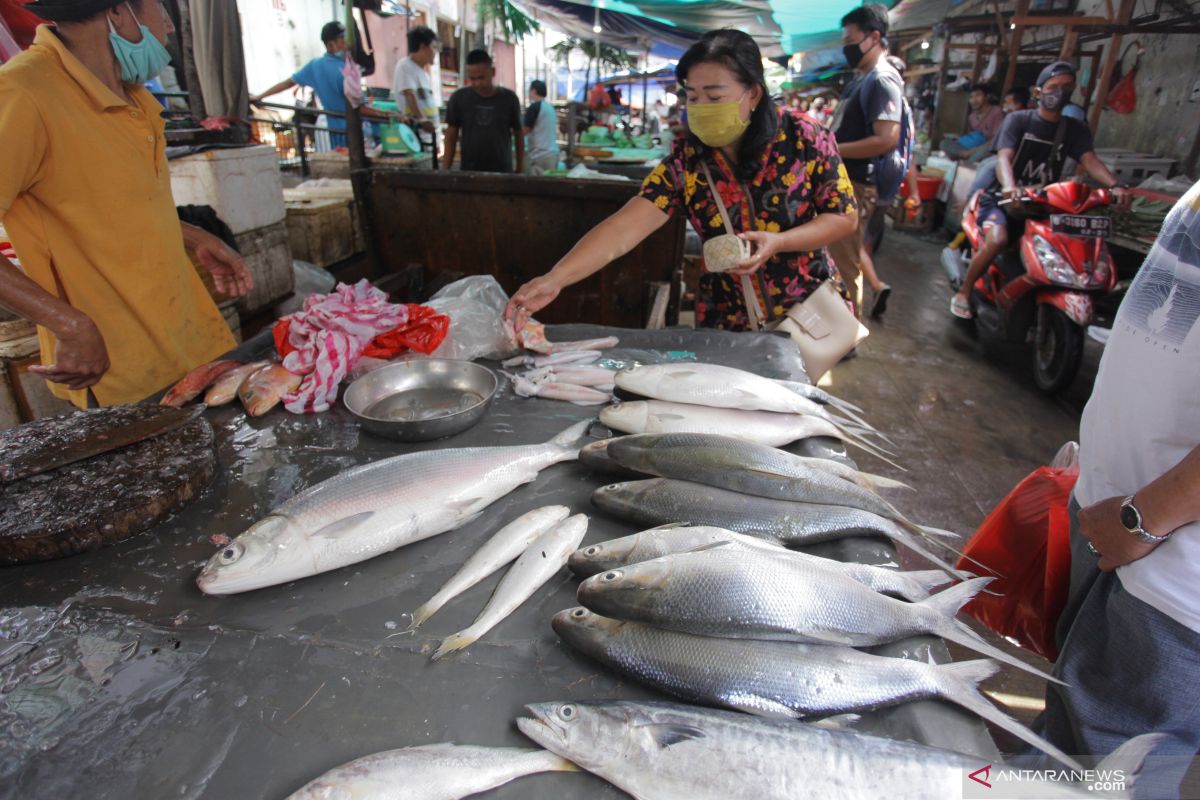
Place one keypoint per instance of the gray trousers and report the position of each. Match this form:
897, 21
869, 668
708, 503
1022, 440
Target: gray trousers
1130, 669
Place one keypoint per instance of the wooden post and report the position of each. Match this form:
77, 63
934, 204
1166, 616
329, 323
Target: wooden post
1014, 48
1069, 45
977, 65
1110, 64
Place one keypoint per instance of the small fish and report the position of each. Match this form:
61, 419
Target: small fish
196, 382
264, 389
430, 772
538, 564
550, 390
602, 343
225, 388
504, 546
667, 539
667, 751
553, 359
583, 376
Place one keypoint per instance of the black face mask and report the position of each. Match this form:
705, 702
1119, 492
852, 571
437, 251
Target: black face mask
854, 54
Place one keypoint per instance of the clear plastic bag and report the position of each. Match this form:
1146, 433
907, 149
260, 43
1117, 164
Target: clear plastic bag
475, 306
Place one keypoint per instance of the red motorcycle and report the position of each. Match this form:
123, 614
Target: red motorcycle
1042, 289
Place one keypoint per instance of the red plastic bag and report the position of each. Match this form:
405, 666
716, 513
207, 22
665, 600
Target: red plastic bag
1122, 97
1026, 542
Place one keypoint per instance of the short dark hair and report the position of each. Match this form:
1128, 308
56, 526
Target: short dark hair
868, 18
739, 52
479, 56
539, 87
1020, 94
420, 36
332, 30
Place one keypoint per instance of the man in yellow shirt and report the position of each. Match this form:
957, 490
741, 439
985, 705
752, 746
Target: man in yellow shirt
85, 196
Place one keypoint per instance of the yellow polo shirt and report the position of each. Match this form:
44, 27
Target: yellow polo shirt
85, 196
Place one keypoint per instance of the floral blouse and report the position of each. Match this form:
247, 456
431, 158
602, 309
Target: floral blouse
799, 177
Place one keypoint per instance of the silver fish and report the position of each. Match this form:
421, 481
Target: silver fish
541, 560
667, 539
659, 501
430, 772
764, 597
765, 427
666, 751
504, 546
377, 507
782, 679
748, 468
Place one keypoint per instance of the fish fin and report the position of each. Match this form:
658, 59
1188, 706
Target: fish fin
948, 602
837, 722
1131, 756
422, 615
455, 642
760, 706
876, 482
572, 437
926, 530
680, 374
709, 546
961, 681
341, 526
667, 735
904, 536
668, 416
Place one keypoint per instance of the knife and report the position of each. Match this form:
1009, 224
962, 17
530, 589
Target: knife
53, 454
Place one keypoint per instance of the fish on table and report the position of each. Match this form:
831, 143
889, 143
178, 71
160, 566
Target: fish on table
191, 385
375, 508
667, 751
265, 388
225, 388
430, 772
782, 679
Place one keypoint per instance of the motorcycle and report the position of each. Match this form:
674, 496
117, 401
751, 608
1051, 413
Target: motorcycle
1042, 288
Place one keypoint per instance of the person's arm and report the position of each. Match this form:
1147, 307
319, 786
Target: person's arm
410, 102
451, 145
1100, 173
514, 124
229, 273
80, 359
276, 89
608, 241
531, 115
1166, 504
885, 139
1004, 170
824, 229
884, 104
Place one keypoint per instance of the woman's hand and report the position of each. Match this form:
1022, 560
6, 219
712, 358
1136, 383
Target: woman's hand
766, 245
530, 299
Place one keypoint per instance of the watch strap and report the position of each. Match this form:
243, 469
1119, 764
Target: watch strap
1138, 532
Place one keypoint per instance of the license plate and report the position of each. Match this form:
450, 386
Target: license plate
1076, 225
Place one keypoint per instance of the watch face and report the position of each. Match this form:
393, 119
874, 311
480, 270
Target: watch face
1130, 517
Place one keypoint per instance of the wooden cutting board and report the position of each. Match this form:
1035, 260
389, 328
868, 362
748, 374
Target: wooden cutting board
105, 499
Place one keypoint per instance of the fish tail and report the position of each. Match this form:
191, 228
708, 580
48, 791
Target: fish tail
573, 437
455, 642
869, 480
905, 537
1131, 757
422, 614
923, 582
961, 686
862, 444
946, 604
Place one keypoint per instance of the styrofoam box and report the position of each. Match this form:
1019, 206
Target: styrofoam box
241, 184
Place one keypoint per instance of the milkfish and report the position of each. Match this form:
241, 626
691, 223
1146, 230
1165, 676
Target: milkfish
782, 679
265, 388
538, 564
504, 546
430, 772
225, 388
660, 501
745, 594
668, 539
667, 751
594, 456
375, 508
191, 385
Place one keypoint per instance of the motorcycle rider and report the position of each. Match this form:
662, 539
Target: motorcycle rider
1032, 147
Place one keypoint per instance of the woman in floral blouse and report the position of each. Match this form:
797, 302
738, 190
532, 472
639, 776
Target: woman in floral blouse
776, 169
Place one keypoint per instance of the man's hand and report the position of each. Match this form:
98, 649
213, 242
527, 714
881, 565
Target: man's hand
229, 273
530, 299
766, 245
428, 126
912, 205
1101, 525
255, 99
1122, 196
80, 359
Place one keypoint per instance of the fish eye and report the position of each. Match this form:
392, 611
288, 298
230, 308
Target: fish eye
609, 577
231, 553
579, 613
591, 551
567, 713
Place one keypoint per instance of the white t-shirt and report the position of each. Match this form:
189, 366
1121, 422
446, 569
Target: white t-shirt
1144, 414
410, 75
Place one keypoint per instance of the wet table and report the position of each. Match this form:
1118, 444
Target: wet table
118, 678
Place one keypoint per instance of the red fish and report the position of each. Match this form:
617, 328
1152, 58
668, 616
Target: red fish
263, 390
196, 382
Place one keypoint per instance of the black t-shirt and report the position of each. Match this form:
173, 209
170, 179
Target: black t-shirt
531, 113
877, 95
487, 125
1031, 138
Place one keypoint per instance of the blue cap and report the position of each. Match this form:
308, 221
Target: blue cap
1054, 70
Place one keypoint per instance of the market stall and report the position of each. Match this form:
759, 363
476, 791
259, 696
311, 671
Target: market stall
120, 675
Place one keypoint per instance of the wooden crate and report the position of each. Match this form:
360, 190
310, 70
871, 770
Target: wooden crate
269, 258
321, 231
24, 396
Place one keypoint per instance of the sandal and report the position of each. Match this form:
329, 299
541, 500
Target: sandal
881, 299
961, 308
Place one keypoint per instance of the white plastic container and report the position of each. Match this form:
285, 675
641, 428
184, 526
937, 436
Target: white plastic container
241, 184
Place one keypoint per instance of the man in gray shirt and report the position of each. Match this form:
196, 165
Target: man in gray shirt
488, 118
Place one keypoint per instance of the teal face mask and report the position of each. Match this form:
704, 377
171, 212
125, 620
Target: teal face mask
140, 61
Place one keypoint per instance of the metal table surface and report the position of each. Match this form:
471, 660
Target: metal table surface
118, 678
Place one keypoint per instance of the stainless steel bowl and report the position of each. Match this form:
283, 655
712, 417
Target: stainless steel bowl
415, 401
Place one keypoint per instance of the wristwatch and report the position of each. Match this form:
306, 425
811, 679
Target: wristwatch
1131, 518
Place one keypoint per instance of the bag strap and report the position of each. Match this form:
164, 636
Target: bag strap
753, 310
1056, 158
712, 187
762, 282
